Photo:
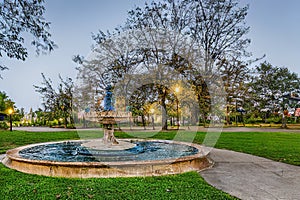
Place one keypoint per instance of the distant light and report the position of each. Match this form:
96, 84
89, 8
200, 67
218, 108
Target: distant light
10, 111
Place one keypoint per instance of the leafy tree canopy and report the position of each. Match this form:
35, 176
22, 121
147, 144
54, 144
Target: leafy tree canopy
18, 17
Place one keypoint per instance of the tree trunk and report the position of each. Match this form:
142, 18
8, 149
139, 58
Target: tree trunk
164, 120
143, 122
227, 116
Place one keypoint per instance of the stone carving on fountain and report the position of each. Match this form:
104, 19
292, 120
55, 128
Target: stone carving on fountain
109, 117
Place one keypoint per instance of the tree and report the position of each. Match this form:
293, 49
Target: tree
57, 104
236, 75
185, 38
5, 102
269, 86
17, 17
216, 27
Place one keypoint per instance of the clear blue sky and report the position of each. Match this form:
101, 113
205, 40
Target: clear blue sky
275, 31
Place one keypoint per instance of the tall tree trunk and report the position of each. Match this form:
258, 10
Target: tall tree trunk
227, 116
143, 122
164, 120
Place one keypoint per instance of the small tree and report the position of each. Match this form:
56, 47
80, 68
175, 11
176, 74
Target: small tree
269, 86
57, 104
235, 74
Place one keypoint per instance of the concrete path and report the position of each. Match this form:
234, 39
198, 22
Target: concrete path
251, 177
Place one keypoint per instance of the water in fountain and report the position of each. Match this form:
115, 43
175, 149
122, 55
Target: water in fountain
76, 152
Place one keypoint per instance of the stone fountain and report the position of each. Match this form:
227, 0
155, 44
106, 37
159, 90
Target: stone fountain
107, 157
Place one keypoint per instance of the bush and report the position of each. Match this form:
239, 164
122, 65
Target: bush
253, 120
275, 120
3, 126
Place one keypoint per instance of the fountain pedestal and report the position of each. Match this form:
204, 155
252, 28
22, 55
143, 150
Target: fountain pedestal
108, 128
108, 119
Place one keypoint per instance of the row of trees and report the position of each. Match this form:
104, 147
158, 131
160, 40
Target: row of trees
259, 92
201, 44
198, 45
262, 93
166, 42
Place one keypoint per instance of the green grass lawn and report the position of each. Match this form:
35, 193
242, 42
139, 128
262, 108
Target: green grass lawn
17, 185
284, 147
278, 146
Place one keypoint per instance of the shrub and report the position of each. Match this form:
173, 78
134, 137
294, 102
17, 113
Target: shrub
253, 120
3, 125
275, 120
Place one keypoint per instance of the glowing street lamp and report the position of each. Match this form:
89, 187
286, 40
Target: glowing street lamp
177, 89
10, 112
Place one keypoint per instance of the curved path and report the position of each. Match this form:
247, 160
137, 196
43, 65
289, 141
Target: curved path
251, 177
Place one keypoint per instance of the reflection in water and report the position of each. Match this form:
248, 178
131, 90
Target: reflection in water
74, 152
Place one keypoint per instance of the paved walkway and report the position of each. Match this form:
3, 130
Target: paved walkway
251, 177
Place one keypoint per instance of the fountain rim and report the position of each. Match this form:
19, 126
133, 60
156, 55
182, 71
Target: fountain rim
13, 154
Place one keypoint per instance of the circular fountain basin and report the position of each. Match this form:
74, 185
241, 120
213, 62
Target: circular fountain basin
80, 159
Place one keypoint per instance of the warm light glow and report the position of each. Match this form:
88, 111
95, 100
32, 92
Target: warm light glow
10, 111
152, 110
177, 89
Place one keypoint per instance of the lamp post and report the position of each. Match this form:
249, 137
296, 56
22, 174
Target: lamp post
177, 90
10, 111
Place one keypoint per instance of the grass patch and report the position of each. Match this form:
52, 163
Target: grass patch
16, 185
282, 147
277, 146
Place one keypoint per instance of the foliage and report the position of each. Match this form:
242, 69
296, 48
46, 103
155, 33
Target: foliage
57, 104
164, 42
3, 125
269, 85
275, 120
235, 75
217, 26
5, 102
17, 17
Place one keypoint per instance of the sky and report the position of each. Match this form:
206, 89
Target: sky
274, 31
